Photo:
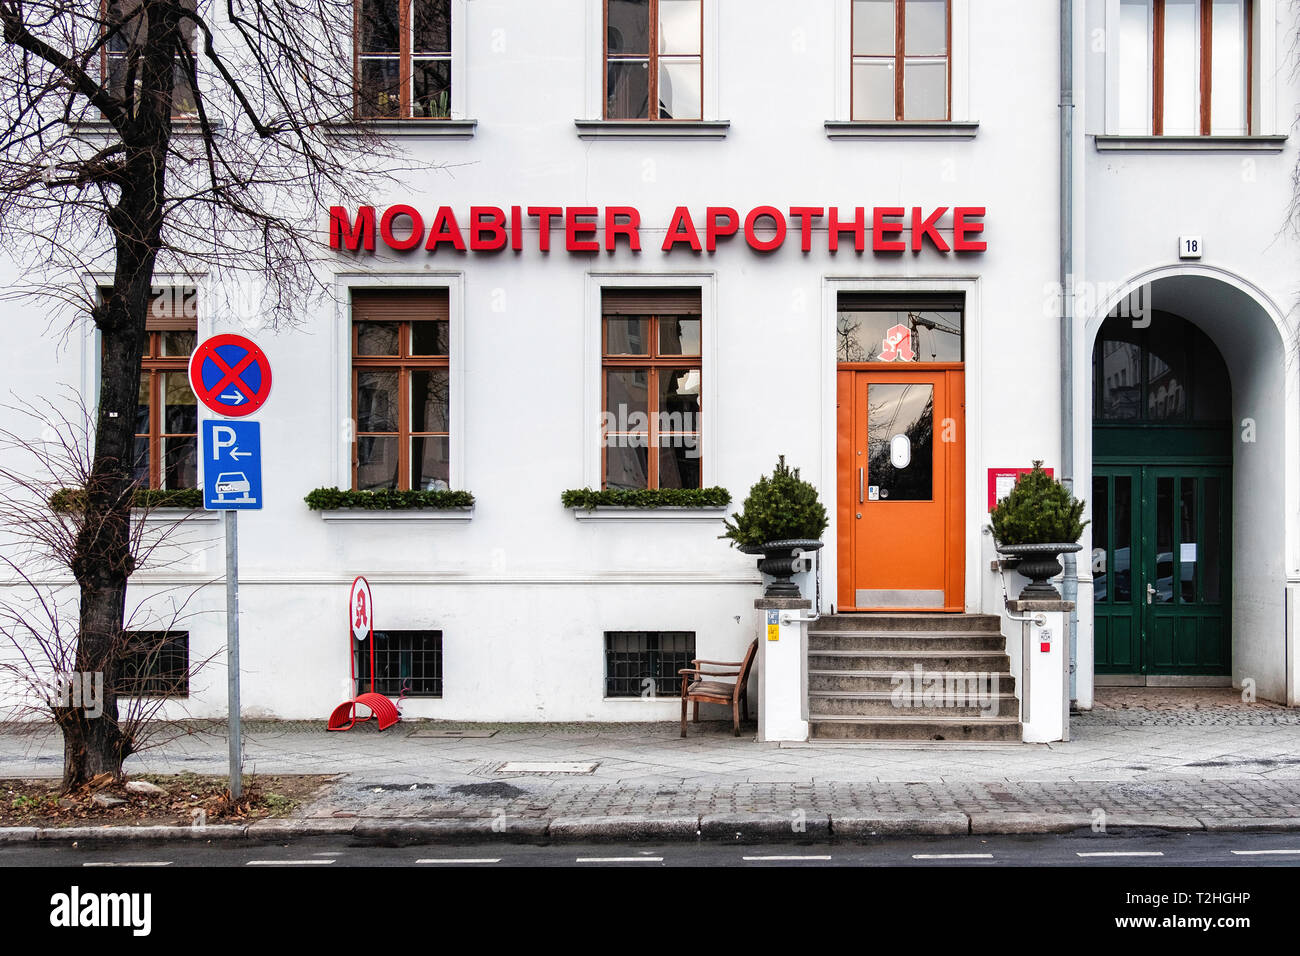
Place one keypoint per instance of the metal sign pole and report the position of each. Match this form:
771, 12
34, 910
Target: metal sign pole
230, 518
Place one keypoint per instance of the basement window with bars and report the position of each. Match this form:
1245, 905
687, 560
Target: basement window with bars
645, 663
156, 664
407, 664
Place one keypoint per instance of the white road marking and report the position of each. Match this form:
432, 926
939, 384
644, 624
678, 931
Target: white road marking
1123, 853
952, 856
496, 859
784, 858
1265, 852
286, 862
129, 863
619, 859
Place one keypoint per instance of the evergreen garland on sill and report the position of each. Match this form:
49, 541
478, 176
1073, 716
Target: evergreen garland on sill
69, 500
336, 499
588, 499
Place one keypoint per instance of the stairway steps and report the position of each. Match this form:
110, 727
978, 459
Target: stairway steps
831, 727
905, 641
926, 623
860, 666
971, 661
824, 680
851, 704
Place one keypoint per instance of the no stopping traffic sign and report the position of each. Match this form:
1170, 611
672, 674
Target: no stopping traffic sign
230, 375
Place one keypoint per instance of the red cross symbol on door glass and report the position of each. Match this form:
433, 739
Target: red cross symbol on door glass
897, 344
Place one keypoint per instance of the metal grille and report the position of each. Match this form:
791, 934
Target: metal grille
638, 663
156, 664
407, 663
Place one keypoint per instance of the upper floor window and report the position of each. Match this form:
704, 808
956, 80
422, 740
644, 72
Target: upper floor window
654, 63
1184, 67
901, 59
400, 389
126, 25
403, 64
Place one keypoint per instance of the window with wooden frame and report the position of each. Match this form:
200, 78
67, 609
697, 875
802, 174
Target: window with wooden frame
902, 66
654, 62
400, 383
167, 413
1184, 67
126, 26
650, 380
403, 59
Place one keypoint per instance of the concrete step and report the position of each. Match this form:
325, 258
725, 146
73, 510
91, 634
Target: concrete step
982, 662
856, 704
909, 622
831, 727
869, 681
906, 640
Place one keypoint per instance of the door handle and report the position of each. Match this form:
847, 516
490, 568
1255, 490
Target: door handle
861, 485
1151, 592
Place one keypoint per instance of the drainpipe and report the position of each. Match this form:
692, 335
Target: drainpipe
1070, 586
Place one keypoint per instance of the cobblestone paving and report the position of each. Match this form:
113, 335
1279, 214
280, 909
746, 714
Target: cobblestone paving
1181, 707
539, 800
1172, 752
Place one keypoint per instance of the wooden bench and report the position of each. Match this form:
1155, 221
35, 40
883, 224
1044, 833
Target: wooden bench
696, 689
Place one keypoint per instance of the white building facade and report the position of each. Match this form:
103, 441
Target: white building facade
757, 325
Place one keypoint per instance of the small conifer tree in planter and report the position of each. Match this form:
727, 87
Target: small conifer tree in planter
780, 519
1038, 522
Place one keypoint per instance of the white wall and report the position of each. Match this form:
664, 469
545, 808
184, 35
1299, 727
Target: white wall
522, 590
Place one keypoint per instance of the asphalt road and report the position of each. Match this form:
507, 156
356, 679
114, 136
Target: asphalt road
1126, 848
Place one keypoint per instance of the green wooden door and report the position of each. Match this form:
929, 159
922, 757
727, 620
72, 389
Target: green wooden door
1161, 569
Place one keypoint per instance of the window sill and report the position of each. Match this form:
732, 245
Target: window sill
178, 515
1191, 144
181, 126
652, 129
666, 514
439, 128
906, 129
407, 514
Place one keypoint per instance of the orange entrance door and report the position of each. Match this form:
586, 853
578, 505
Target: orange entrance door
901, 481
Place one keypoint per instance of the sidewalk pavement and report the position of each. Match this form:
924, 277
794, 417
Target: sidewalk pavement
1170, 760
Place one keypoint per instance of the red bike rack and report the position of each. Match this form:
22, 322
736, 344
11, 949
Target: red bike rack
384, 711
380, 707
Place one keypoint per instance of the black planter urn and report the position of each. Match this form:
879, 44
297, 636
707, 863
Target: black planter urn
781, 562
1039, 563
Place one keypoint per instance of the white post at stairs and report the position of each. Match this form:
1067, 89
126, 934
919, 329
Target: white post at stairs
782, 664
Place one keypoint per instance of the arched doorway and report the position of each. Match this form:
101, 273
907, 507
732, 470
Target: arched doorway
1161, 503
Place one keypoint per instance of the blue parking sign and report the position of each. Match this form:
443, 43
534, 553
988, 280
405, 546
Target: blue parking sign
232, 465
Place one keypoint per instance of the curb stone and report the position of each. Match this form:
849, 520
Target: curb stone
1250, 823
1009, 821
763, 827
459, 830
608, 829
1015, 822
735, 828
859, 827
278, 829
127, 833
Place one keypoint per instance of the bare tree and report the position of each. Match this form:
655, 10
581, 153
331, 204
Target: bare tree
43, 670
147, 138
